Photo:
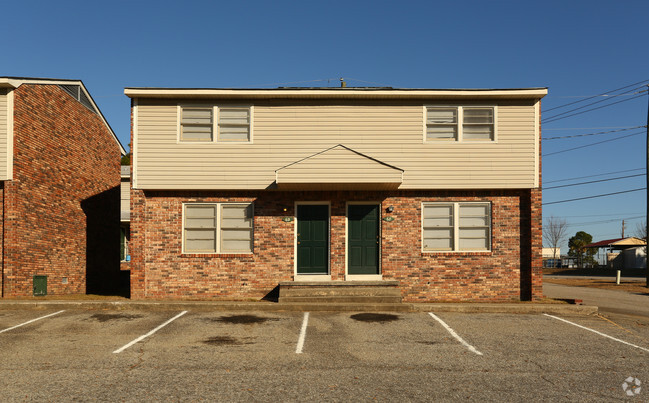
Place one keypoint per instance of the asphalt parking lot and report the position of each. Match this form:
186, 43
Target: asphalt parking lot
105, 355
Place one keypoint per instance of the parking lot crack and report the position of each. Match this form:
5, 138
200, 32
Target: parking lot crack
140, 359
543, 371
635, 334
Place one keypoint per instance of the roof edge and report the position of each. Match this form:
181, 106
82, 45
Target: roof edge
15, 82
348, 92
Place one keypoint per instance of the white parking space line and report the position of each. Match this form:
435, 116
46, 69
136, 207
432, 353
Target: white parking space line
31, 321
300, 340
119, 350
457, 337
596, 332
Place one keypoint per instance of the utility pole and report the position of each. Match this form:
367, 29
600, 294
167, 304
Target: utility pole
646, 219
622, 228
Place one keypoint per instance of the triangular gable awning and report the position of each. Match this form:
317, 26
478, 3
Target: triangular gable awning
338, 168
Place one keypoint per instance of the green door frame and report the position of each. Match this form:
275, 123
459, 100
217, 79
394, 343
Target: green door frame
358, 246
302, 209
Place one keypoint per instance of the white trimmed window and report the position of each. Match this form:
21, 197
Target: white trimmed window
209, 123
218, 228
234, 124
441, 124
196, 123
462, 226
460, 123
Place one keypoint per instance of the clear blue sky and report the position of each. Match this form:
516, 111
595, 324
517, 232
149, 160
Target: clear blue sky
576, 48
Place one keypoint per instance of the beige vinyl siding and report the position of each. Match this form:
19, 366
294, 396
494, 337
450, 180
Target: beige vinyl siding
4, 134
125, 199
284, 134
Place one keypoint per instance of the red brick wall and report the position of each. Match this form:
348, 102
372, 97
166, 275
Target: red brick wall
537, 225
160, 270
2, 196
138, 243
61, 210
537, 244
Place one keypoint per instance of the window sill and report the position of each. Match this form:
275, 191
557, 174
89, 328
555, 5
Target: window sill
218, 255
453, 252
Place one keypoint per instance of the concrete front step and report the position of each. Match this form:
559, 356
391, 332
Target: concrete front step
374, 299
337, 291
361, 292
344, 307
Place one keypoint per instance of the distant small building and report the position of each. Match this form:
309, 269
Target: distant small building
623, 253
549, 253
551, 257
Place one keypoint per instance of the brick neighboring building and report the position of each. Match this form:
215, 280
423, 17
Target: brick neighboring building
237, 190
59, 166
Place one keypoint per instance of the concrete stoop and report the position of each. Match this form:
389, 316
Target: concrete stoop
344, 307
340, 292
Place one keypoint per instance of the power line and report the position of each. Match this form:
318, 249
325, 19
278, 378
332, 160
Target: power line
595, 96
603, 221
597, 181
600, 215
592, 176
592, 144
593, 134
592, 197
592, 96
587, 128
554, 119
328, 80
609, 234
367, 82
626, 93
297, 82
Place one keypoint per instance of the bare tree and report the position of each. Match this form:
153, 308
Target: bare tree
554, 233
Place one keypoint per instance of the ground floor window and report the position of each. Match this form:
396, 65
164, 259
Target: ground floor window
456, 226
217, 227
123, 243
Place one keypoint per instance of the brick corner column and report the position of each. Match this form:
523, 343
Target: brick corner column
537, 244
138, 244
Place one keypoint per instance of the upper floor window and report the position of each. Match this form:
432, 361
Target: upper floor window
460, 123
234, 124
196, 123
205, 123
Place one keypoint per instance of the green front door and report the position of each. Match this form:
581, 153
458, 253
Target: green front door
363, 239
312, 239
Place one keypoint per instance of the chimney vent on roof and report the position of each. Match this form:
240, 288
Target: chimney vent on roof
343, 84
